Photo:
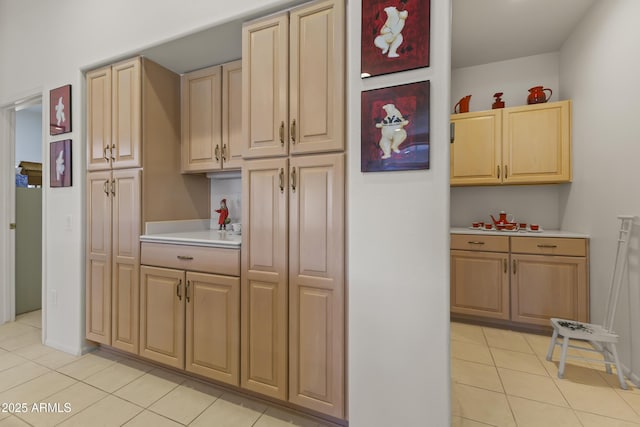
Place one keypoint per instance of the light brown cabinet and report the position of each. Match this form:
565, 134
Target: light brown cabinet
293, 81
191, 320
113, 207
113, 116
136, 125
293, 314
479, 275
526, 280
212, 118
518, 145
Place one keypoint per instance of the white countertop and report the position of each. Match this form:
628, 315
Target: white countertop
192, 232
543, 233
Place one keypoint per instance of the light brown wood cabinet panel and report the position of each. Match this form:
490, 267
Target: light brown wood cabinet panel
537, 143
530, 144
264, 290
480, 283
162, 314
126, 133
549, 286
99, 256
265, 86
113, 227
232, 115
293, 87
213, 327
99, 119
316, 283
202, 120
476, 154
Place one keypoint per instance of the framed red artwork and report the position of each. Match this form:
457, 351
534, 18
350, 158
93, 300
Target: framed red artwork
60, 163
60, 110
395, 128
395, 36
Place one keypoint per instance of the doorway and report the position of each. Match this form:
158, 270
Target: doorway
28, 209
21, 162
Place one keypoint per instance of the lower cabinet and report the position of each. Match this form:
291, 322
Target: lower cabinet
524, 279
190, 320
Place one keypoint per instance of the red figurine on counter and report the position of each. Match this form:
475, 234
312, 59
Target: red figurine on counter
224, 214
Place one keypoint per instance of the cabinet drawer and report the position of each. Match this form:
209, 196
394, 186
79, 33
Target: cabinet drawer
476, 242
549, 246
193, 258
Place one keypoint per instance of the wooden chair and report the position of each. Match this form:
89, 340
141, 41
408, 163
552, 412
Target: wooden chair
602, 337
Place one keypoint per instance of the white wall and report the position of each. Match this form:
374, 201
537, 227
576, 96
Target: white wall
598, 72
29, 135
532, 204
399, 258
398, 310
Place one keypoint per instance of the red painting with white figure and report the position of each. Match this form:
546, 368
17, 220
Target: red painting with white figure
395, 128
395, 36
60, 110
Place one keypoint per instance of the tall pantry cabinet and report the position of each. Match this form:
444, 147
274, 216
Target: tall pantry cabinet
133, 163
292, 281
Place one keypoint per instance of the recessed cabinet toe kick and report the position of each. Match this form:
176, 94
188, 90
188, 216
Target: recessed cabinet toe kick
521, 281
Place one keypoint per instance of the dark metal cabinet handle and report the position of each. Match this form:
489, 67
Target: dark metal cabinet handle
506, 171
514, 266
498, 168
504, 263
547, 246
178, 286
113, 187
472, 242
104, 188
217, 153
452, 132
282, 133
293, 179
187, 292
293, 131
281, 178
224, 152
105, 153
113, 147
185, 257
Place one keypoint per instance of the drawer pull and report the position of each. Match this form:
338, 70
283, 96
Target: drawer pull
473, 242
178, 286
547, 246
185, 257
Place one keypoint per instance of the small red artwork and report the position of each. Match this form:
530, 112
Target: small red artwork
395, 128
60, 110
60, 163
395, 36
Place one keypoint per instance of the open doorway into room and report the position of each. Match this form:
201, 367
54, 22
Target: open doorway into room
28, 213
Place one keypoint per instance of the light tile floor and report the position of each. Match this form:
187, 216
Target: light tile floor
103, 389
501, 378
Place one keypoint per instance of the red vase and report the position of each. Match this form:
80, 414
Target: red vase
537, 95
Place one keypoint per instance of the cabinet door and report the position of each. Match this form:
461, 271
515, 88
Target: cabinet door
232, 115
126, 110
317, 70
201, 120
265, 83
537, 143
99, 119
162, 306
126, 194
264, 277
213, 326
476, 150
98, 282
316, 283
549, 286
480, 283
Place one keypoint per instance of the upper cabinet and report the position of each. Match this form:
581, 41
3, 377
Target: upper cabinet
293, 81
519, 145
113, 119
212, 118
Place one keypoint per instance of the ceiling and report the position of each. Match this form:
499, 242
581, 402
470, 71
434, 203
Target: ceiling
485, 31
